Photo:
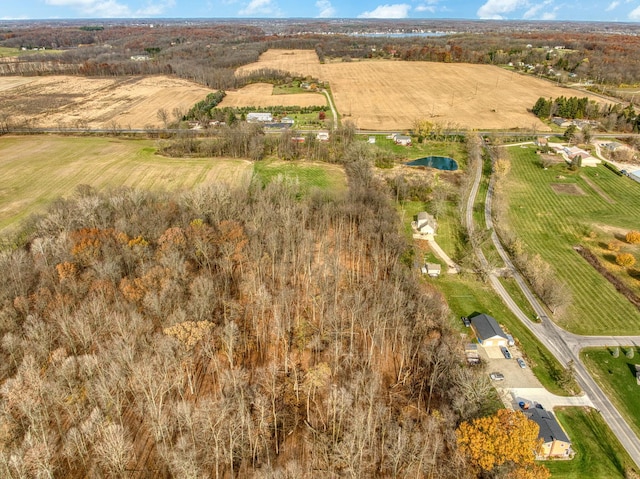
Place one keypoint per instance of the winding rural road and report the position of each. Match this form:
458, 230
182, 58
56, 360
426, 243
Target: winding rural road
563, 345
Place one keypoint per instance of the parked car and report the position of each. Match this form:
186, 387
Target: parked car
466, 321
496, 376
521, 363
505, 352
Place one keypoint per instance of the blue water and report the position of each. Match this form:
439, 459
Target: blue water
438, 162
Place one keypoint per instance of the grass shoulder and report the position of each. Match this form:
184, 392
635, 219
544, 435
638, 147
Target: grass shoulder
616, 376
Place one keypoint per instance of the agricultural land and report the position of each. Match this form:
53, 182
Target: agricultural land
77, 102
551, 222
388, 94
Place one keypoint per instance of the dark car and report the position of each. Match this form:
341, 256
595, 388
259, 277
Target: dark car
506, 352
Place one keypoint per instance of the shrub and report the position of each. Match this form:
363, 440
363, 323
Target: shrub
615, 352
625, 259
613, 246
633, 237
629, 354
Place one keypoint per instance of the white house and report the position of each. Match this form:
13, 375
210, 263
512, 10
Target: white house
259, 117
425, 224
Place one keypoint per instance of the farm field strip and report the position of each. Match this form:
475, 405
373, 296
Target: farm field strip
36, 170
60, 100
392, 94
550, 224
261, 95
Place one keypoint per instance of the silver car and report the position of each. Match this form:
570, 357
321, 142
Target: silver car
521, 363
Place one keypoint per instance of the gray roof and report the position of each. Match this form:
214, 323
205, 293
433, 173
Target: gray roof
487, 327
550, 430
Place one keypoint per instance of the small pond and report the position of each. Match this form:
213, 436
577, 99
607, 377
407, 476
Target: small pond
439, 162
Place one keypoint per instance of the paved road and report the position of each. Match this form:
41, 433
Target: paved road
563, 345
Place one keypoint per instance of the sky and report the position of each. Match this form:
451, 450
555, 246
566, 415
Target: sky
575, 10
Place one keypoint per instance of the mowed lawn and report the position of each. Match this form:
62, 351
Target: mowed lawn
309, 175
34, 170
616, 377
599, 454
550, 224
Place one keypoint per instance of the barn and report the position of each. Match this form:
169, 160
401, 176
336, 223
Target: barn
488, 331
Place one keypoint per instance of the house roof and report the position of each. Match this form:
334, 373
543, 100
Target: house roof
550, 429
487, 327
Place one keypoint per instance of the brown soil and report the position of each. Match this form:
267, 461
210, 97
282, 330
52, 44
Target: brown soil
567, 189
68, 101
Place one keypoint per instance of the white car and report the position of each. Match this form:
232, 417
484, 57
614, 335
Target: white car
496, 376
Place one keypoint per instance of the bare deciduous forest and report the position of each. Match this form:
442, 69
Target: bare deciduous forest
227, 332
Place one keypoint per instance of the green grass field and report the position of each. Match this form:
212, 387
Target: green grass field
35, 170
310, 175
616, 376
550, 224
599, 454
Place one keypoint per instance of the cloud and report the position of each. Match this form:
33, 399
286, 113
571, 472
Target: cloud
635, 14
425, 8
261, 8
155, 8
399, 10
326, 9
612, 6
535, 9
495, 9
97, 8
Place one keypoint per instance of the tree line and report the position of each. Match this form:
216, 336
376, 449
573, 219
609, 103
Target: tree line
609, 116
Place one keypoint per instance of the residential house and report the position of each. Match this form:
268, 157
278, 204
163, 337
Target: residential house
424, 224
542, 141
287, 119
262, 117
555, 441
488, 331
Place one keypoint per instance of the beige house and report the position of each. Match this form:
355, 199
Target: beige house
555, 443
488, 331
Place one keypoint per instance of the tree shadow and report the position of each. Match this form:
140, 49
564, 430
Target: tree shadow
611, 258
632, 368
634, 273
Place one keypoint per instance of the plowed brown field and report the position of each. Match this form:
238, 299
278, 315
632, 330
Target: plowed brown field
388, 94
68, 101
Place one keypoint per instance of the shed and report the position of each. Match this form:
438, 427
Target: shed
488, 331
634, 175
555, 443
402, 140
433, 269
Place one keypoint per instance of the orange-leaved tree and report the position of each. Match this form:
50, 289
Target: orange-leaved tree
507, 437
625, 259
633, 237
